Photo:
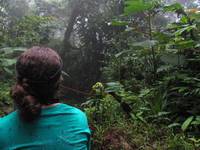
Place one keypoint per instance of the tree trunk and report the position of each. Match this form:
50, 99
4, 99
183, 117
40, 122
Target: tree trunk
66, 42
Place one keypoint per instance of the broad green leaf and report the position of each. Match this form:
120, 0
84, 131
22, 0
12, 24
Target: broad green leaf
121, 53
160, 114
185, 29
194, 140
197, 46
184, 20
164, 68
113, 87
195, 16
119, 23
196, 122
145, 44
173, 26
187, 123
10, 50
162, 37
65, 74
128, 29
8, 70
5, 62
173, 8
172, 51
144, 92
139, 117
136, 6
185, 44
174, 125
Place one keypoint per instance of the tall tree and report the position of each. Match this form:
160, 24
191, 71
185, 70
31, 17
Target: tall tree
88, 25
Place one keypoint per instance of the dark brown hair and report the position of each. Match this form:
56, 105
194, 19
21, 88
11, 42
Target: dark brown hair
38, 72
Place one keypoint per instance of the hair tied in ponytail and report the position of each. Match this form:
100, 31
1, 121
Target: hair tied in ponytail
29, 107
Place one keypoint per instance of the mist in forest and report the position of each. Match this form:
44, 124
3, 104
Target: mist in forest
78, 29
131, 65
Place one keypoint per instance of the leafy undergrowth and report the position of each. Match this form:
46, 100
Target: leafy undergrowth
114, 128
6, 104
129, 136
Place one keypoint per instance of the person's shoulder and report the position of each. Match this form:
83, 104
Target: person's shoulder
73, 110
7, 119
77, 114
7, 122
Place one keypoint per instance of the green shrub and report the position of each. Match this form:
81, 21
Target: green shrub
6, 104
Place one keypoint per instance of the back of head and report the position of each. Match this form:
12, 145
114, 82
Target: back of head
38, 73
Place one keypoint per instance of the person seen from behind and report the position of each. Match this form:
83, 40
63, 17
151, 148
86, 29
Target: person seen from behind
40, 122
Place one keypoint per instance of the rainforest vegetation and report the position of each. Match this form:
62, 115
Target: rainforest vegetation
131, 65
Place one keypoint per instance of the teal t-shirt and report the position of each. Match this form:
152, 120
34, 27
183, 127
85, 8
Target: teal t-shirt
61, 127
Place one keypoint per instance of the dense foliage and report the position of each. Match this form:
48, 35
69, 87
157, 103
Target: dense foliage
145, 53
158, 70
